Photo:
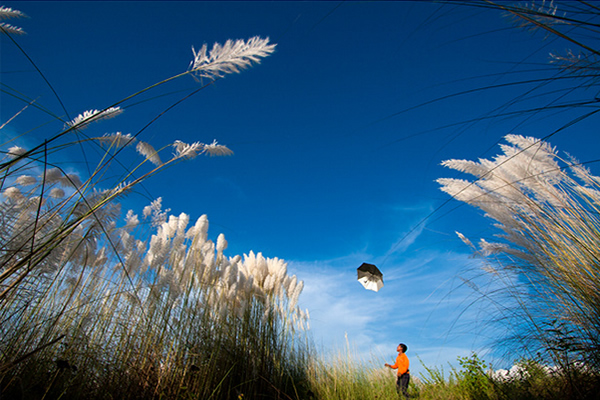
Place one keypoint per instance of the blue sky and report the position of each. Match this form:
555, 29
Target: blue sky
334, 163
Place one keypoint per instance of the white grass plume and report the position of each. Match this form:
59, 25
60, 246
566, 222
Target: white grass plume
117, 140
57, 193
83, 120
148, 151
13, 193
215, 149
52, 175
26, 180
7, 12
16, 151
184, 150
531, 16
10, 29
232, 57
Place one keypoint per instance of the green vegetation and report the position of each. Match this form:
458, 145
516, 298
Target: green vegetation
342, 376
346, 379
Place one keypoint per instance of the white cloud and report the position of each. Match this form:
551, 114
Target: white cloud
420, 305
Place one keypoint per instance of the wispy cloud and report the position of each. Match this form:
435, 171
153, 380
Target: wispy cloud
405, 241
420, 305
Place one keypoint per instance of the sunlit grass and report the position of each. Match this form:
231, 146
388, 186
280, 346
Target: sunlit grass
96, 302
541, 274
343, 375
545, 268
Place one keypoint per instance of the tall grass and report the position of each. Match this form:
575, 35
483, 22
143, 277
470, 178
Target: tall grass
347, 377
342, 375
172, 318
476, 380
542, 270
98, 303
545, 268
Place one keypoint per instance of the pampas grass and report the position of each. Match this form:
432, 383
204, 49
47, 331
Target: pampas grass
545, 266
343, 375
7, 13
97, 304
540, 277
232, 57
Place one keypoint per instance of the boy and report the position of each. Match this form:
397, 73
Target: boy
401, 365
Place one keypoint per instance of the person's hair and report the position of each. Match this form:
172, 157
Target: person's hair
404, 347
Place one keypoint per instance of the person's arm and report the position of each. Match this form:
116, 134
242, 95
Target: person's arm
392, 366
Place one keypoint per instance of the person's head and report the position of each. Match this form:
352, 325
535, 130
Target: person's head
402, 348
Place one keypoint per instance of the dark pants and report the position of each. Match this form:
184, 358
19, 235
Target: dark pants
402, 384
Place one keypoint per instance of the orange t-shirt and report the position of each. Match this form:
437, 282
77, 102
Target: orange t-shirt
401, 364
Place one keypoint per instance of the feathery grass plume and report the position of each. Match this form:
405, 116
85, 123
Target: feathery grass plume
148, 151
584, 65
26, 180
16, 151
184, 150
87, 117
11, 29
6, 13
131, 220
117, 140
155, 210
215, 149
547, 259
70, 180
52, 175
465, 240
532, 15
13, 193
57, 193
221, 243
232, 57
